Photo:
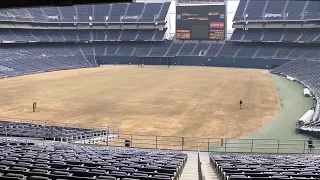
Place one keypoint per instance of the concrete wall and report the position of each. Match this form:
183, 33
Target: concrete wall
315, 134
117, 59
194, 61
248, 62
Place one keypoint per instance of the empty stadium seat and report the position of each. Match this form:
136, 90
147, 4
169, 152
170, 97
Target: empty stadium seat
262, 166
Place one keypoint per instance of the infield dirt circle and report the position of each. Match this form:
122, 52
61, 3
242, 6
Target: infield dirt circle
155, 100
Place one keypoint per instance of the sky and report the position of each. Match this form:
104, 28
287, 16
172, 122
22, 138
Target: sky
231, 8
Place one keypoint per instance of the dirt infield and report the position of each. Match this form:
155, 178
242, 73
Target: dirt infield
177, 101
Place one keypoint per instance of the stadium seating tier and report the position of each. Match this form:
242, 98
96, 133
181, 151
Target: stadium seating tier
26, 160
123, 12
265, 166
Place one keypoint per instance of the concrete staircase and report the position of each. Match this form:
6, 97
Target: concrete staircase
207, 169
190, 171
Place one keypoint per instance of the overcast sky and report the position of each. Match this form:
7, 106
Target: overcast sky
231, 8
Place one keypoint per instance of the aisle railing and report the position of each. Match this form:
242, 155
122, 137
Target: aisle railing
200, 171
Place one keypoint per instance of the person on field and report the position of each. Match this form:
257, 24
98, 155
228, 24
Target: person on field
240, 104
310, 145
127, 143
34, 107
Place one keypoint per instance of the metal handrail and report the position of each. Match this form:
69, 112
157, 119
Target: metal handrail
200, 172
205, 144
115, 138
215, 144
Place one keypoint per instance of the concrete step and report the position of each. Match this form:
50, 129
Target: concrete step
190, 171
207, 169
208, 172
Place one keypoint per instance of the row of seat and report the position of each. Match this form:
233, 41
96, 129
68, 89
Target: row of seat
265, 166
276, 35
40, 35
307, 72
13, 142
48, 132
88, 162
159, 49
32, 58
277, 10
123, 12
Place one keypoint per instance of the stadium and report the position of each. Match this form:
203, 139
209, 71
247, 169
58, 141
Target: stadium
160, 90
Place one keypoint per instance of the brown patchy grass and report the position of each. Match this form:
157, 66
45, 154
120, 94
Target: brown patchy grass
175, 101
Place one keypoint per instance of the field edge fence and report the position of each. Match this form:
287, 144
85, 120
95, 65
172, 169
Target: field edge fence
214, 144
113, 137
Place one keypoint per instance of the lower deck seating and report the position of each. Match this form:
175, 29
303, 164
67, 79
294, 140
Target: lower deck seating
48, 132
88, 162
265, 166
305, 71
20, 59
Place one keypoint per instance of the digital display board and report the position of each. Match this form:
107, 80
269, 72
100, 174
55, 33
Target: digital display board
200, 22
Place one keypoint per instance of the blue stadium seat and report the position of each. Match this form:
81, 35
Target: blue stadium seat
134, 12
37, 14
312, 10
240, 11
128, 35
117, 11
151, 12
272, 35
254, 10
261, 166
253, 34
101, 11
275, 7
113, 35
237, 35
294, 10
85, 13
68, 13
291, 35
52, 14
187, 49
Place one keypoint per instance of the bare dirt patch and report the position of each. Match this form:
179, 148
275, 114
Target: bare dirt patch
176, 101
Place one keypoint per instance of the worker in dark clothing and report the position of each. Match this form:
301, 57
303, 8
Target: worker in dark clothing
240, 104
310, 145
34, 107
127, 143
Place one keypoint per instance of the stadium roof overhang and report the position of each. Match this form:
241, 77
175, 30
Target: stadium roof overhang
39, 3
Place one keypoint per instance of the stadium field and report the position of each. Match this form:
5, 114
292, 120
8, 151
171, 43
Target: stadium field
154, 100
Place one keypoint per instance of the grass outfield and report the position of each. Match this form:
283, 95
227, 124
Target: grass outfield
175, 101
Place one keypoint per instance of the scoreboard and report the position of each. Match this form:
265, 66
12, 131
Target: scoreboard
200, 22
